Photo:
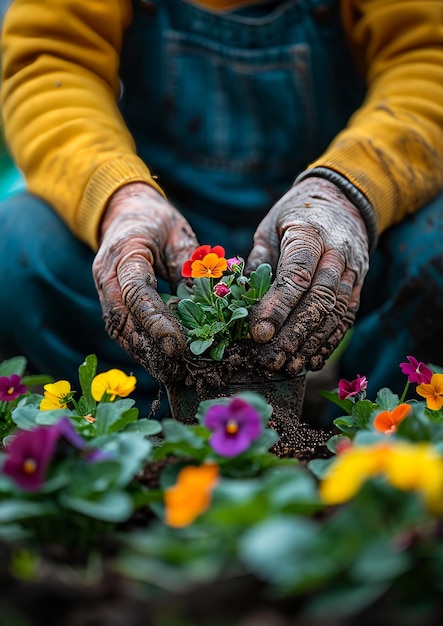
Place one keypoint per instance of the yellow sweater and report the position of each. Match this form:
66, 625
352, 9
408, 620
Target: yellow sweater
60, 83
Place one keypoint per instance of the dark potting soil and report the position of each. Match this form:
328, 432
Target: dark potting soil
242, 369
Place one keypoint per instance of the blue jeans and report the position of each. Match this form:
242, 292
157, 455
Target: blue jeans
226, 110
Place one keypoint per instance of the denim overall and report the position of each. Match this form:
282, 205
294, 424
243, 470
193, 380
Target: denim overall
226, 109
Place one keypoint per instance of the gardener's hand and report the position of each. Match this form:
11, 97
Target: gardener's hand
143, 236
317, 242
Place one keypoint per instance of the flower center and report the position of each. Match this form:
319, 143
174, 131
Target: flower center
10, 391
231, 427
29, 466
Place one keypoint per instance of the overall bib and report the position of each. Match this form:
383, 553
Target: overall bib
226, 109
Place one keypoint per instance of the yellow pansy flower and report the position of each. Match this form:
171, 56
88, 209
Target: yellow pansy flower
56, 395
432, 392
113, 383
417, 467
350, 470
405, 466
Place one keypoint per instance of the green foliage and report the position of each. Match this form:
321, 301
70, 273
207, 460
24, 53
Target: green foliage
214, 322
265, 517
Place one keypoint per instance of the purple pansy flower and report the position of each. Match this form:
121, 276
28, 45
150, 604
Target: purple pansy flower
28, 456
11, 387
417, 372
66, 430
234, 427
96, 455
348, 389
30, 452
221, 290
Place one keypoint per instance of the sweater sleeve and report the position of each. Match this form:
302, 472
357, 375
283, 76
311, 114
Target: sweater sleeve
392, 147
60, 86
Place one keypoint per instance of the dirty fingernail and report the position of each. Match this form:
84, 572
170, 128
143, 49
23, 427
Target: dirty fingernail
316, 362
296, 364
263, 331
171, 347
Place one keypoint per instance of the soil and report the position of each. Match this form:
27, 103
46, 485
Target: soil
241, 369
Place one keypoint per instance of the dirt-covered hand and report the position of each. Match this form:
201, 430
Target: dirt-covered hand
317, 243
143, 237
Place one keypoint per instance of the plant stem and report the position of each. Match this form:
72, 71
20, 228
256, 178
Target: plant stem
405, 391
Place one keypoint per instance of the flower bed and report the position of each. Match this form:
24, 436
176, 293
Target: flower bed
200, 523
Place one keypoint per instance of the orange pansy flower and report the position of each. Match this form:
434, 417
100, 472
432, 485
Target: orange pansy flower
211, 266
432, 392
387, 421
191, 495
198, 255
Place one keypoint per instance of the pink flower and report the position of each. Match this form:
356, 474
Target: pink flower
234, 263
11, 387
348, 389
417, 372
221, 290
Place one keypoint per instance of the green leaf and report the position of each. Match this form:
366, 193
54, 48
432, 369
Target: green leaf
240, 513
319, 467
15, 509
264, 442
86, 373
362, 411
346, 424
293, 490
145, 426
180, 449
202, 291
89, 478
25, 417
278, 549
184, 291
51, 417
113, 506
332, 396
191, 315
34, 380
418, 426
199, 346
260, 280
217, 327
111, 417
343, 600
29, 416
386, 399
238, 313
15, 365
130, 449
380, 561
238, 293
176, 431
218, 351
33, 399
